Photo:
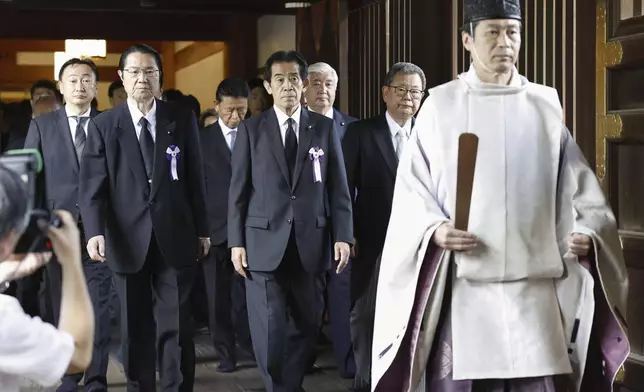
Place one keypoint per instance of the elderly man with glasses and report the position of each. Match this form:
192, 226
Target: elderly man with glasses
142, 199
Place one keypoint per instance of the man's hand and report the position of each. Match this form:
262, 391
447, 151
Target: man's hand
579, 244
21, 265
203, 248
342, 251
447, 237
96, 248
238, 257
354, 248
65, 239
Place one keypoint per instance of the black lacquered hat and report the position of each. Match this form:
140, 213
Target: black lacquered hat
477, 10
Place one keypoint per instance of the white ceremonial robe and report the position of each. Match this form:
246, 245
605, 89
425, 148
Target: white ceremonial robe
513, 306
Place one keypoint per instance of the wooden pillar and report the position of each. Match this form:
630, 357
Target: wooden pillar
240, 56
318, 32
169, 71
582, 108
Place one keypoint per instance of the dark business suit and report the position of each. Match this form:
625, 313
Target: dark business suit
225, 289
151, 229
338, 291
57, 188
371, 164
288, 224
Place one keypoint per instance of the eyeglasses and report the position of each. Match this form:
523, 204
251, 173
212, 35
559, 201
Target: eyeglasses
402, 91
150, 73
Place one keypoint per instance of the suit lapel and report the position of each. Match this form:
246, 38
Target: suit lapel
126, 135
340, 123
269, 122
164, 136
306, 132
66, 138
382, 136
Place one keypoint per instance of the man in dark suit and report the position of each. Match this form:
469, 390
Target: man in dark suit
320, 95
217, 141
142, 198
371, 149
289, 214
60, 136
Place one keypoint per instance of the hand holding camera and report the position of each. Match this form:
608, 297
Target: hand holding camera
66, 244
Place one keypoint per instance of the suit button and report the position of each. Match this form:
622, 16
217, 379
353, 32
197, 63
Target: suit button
289, 221
152, 202
292, 197
76, 205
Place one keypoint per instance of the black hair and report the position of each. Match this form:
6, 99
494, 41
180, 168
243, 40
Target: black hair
76, 61
192, 103
233, 88
43, 83
172, 95
255, 83
14, 201
113, 87
145, 49
286, 57
405, 69
207, 113
469, 28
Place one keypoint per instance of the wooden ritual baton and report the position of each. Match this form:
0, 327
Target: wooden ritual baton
468, 144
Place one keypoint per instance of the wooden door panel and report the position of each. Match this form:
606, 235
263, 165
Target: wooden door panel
620, 151
625, 161
628, 195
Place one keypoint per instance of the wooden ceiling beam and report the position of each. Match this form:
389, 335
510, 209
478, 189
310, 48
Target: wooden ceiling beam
113, 25
196, 52
32, 45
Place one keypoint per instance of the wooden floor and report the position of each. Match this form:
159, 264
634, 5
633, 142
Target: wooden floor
246, 379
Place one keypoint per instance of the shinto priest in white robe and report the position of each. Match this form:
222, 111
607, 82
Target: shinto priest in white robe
521, 305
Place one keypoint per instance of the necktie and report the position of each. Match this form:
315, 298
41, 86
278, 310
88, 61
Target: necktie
401, 138
79, 135
147, 146
290, 146
233, 137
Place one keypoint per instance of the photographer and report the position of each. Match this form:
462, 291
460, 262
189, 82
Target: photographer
30, 348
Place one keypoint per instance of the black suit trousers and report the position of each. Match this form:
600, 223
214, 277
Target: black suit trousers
285, 311
162, 291
221, 283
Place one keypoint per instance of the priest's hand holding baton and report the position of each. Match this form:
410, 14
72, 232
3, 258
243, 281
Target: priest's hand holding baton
579, 244
454, 235
447, 237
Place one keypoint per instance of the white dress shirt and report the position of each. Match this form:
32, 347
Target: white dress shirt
137, 115
328, 114
394, 128
282, 120
73, 123
227, 133
30, 348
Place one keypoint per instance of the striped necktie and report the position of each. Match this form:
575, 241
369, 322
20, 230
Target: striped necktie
79, 136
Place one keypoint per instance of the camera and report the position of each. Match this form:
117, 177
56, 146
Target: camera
27, 163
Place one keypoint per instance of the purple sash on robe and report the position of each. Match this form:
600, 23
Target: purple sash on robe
608, 346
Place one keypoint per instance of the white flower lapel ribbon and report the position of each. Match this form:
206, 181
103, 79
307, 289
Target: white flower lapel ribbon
316, 154
172, 153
